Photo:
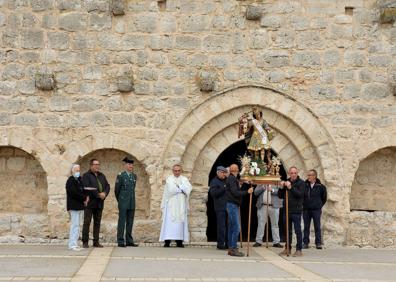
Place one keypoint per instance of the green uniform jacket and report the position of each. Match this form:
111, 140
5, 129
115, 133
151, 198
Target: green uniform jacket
125, 190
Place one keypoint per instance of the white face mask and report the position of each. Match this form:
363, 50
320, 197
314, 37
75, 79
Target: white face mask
76, 174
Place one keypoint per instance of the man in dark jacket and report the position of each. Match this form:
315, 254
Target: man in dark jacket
295, 186
97, 187
234, 195
315, 197
125, 194
218, 192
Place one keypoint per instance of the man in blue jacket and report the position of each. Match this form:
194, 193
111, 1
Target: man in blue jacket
314, 199
218, 192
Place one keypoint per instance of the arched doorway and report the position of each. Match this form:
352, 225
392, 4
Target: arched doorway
226, 158
23, 194
111, 165
300, 140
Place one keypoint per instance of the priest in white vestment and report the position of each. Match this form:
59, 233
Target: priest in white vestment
175, 208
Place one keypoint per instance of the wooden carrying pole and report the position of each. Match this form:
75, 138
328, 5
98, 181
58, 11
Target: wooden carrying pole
267, 219
240, 226
250, 216
287, 222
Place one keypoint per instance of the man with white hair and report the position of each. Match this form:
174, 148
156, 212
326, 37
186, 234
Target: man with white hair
175, 208
76, 200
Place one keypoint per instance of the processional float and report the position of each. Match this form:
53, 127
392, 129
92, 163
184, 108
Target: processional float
258, 164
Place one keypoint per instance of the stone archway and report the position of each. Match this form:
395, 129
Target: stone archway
210, 127
372, 200
111, 165
23, 194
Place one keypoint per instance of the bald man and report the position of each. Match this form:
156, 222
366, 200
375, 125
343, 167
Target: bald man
296, 187
234, 195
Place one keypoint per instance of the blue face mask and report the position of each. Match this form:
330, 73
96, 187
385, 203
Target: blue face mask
76, 174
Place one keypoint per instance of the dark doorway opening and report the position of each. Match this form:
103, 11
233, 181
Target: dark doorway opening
226, 158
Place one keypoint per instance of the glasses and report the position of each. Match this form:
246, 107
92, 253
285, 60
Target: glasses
176, 170
311, 174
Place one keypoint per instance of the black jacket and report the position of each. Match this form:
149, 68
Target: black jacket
218, 192
233, 191
75, 195
89, 180
315, 197
295, 195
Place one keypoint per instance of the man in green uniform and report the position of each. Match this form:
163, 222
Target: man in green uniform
125, 195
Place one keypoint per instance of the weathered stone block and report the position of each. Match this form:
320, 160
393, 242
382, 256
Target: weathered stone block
45, 81
306, 59
99, 21
187, 42
7, 87
73, 21
207, 80
354, 58
273, 59
32, 39
254, 12
26, 120
5, 119
271, 21
125, 83
217, 43
41, 5
324, 92
59, 104
86, 104
102, 6
26, 86
380, 60
13, 71
58, 40
69, 4
374, 91
118, 7
195, 23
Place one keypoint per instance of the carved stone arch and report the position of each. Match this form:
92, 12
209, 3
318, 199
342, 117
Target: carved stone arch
206, 131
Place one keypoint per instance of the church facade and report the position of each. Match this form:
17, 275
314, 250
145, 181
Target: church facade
164, 82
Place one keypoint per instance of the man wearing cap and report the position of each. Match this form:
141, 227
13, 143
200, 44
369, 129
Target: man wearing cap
125, 195
218, 192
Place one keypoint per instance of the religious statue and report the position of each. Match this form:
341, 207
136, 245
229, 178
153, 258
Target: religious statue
257, 134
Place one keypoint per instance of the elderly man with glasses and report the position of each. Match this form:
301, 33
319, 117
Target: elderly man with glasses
97, 187
315, 197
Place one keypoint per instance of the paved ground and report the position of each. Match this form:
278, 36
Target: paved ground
49, 263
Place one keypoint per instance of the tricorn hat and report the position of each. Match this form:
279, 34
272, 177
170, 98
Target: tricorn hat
128, 161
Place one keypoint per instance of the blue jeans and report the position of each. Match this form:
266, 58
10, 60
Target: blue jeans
315, 216
233, 225
74, 228
295, 219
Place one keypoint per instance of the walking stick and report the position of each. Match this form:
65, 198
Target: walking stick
240, 226
287, 222
267, 219
250, 216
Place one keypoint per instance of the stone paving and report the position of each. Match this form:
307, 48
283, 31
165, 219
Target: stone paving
202, 263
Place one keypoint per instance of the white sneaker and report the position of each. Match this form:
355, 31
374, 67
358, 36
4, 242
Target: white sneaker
76, 248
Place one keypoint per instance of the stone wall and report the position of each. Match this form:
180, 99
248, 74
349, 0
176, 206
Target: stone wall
164, 82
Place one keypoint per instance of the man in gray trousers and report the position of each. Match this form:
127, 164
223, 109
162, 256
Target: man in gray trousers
274, 204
